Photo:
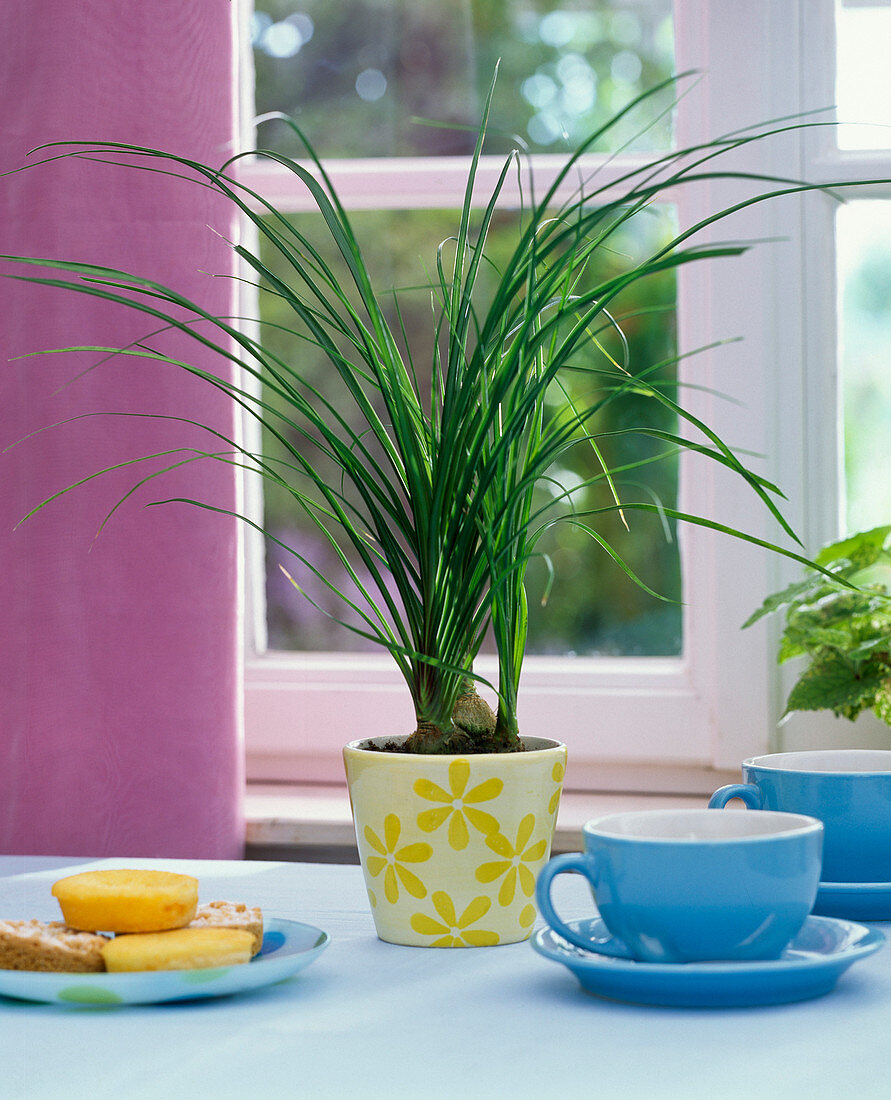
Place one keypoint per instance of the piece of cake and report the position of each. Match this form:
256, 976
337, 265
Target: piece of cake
181, 949
52, 945
231, 914
127, 901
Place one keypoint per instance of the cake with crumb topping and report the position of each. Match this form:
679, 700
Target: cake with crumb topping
49, 945
231, 914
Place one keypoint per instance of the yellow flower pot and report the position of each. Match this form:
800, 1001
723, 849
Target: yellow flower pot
451, 845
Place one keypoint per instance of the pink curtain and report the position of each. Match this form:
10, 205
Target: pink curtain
120, 690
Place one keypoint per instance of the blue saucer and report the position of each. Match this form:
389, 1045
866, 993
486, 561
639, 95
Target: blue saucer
809, 967
854, 900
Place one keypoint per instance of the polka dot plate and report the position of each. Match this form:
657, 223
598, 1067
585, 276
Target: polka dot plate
288, 947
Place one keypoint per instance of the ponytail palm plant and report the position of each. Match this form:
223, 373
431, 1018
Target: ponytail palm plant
432, 507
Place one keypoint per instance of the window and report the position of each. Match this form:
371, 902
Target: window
589, 611
713, 699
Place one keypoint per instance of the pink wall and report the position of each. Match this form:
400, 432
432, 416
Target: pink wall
120, 692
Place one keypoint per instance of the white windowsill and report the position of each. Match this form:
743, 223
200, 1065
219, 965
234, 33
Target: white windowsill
283, 818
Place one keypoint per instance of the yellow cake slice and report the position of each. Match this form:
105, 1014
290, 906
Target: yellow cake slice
51, 945
127, 901
231, 914
181, 949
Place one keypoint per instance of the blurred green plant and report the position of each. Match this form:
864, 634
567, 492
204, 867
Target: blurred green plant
566, 67
844, 632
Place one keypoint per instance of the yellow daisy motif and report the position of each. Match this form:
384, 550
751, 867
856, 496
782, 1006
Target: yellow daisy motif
512, 864
458, 804
557, 773
452, 930
390, 860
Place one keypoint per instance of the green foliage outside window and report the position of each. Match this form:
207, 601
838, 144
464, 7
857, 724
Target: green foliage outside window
354, 73
357, 75
586, 613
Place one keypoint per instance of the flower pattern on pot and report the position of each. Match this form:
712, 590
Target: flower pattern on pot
458, 805
528, 915
557, 773
452, 930
512, 864
390, 860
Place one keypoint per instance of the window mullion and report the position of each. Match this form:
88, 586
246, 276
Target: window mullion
420, 183
755, 300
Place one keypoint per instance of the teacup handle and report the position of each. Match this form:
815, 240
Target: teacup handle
583, 864
748, 792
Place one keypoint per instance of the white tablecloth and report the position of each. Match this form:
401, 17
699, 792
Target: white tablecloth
369, 1020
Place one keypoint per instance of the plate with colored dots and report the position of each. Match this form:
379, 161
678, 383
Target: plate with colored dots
288, 947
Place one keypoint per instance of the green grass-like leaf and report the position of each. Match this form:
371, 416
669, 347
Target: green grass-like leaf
433, 508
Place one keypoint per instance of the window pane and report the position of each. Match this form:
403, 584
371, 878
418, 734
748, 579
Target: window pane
863, 35
592, 607
864, 251
355, 74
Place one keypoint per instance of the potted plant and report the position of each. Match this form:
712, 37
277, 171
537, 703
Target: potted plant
843, 632
428, 494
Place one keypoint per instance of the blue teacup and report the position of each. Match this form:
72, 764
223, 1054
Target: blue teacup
678, 886
849, 790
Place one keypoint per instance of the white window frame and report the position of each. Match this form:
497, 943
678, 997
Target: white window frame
643, 723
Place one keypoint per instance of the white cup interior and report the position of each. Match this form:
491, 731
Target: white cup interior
827, 761
700, 825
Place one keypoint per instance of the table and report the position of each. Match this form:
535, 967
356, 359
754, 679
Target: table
370, 1019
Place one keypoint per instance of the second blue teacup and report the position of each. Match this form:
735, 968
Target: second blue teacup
849, 790
677, 886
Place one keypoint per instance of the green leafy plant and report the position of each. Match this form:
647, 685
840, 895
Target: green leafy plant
432, 507
844, 632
